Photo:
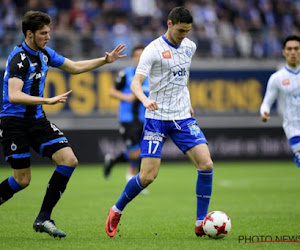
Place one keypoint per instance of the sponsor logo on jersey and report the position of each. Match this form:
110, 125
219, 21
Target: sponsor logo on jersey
36, 75
31, 75
181, 72
286, 82
39, 75
166, 54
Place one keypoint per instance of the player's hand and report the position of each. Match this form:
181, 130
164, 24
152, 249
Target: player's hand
150, 105
192, 111
115, 54
265, 117
59, 98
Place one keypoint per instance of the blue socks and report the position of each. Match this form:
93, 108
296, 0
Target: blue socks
15, 186
132, 189
65, 170
203, 192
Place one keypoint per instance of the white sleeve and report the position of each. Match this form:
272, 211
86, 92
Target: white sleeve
194, 46
146, 61
271, 95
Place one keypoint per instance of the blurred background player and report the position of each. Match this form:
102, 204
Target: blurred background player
166, 61
284, 86
23, 123
131, 117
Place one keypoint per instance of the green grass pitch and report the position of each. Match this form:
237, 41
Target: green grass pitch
261, 197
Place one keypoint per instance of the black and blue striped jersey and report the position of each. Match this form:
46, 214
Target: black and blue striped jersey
31, 67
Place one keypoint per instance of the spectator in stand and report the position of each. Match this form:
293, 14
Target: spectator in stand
261, 17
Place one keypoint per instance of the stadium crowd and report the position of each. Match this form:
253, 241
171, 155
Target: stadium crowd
222, 28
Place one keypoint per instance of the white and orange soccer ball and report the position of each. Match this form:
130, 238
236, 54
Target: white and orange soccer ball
216, 224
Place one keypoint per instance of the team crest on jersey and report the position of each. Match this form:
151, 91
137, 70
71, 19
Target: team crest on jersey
167, 54
45, 58
194, 129
188, 52
286, 82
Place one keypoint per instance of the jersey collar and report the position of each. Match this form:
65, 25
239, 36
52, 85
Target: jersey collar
25, 46
172, 45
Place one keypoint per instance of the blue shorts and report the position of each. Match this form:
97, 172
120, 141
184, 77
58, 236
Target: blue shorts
184, 133
295, 147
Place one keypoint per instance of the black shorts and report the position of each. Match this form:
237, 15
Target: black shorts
131, 133
17, 135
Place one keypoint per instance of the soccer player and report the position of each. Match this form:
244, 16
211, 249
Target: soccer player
166, 61
284, 86
131, 117
23, 123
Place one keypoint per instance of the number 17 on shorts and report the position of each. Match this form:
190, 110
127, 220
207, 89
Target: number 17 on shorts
151, 144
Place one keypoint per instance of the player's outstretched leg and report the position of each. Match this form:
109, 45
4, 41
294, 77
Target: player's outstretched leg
110, 161
112, 222
48, 226
132, 189
55, 189
203, 191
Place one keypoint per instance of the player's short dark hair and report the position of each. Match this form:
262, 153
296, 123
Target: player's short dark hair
137, 47
35, 20
290, 38
180, 15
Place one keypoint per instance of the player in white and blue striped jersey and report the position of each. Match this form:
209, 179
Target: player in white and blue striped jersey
166, 61
284, 86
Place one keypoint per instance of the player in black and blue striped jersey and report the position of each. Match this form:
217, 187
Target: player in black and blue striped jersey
131, 118
23, 123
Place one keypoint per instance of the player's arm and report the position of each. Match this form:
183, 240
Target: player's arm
270, 97
191, 108
116, 91
16, 95
137, 90
121, 96
87, 65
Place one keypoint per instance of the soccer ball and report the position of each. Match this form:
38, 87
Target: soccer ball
216, 224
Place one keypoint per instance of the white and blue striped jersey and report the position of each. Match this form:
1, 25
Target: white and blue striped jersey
167, 67
284, 86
